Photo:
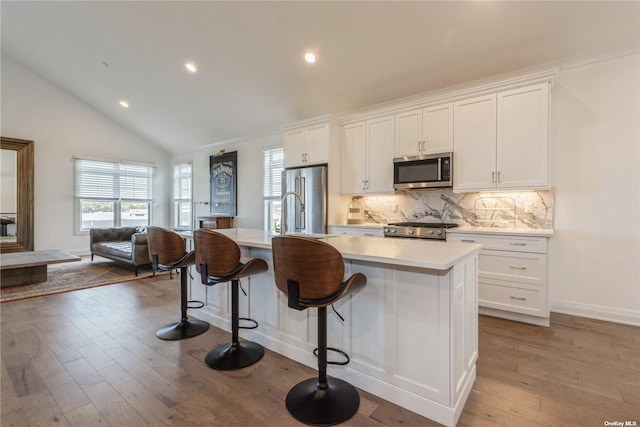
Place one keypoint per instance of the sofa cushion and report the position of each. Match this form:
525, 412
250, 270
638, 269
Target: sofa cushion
118, 249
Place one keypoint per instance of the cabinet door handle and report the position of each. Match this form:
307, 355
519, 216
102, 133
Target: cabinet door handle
499, 177
517, 244
493, 177
468, 241
516, 267
518, 298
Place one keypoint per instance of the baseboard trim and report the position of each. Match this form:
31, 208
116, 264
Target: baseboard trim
609, 314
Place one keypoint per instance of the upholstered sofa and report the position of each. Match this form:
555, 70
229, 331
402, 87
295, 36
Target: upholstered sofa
123, 244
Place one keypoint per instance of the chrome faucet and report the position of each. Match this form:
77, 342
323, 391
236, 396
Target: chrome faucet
283, 226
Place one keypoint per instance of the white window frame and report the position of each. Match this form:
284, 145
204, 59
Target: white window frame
179, 198
93, 183
271, 186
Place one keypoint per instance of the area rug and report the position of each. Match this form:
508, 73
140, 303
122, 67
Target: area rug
72, 276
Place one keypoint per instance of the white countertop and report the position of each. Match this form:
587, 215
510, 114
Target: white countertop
363, 225
534, 232
436, 255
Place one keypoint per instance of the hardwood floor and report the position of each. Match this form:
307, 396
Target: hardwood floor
91, 358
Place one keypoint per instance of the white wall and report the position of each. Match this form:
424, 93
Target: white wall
62, 126
595, 150
250, 204
595, 251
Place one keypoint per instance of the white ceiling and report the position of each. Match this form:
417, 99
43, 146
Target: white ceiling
251, 78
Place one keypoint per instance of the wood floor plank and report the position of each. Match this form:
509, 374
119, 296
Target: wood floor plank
9, 400
113, 407
83, 373
154, 411
91, 358
66, 392
42, 410
85, 416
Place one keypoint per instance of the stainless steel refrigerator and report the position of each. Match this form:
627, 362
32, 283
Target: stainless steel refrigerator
310, 183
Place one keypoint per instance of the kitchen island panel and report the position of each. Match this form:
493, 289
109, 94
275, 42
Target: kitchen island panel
411, 332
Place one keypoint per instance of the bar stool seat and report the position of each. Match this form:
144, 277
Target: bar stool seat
167, 250
311, 273
218, 261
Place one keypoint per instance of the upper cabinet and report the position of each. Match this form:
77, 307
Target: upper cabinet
501, 141
426, 130
366, 156
523, 137
308, 144
474, 148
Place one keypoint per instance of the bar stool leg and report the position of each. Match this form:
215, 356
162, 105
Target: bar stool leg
236, 354
185, 328
323, 401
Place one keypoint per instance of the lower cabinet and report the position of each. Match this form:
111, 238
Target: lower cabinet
512, 276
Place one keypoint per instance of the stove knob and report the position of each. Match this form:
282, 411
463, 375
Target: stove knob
411, 231
438, 233
386, 230
430, 232
393, 230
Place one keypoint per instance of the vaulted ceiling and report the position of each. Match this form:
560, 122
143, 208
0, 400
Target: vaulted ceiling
251, 76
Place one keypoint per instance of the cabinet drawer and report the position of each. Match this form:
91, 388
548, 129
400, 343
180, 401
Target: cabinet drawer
504, 243
514, 297
513, 266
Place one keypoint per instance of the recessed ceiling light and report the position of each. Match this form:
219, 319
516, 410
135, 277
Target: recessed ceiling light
124, 104
310, 57
191, 67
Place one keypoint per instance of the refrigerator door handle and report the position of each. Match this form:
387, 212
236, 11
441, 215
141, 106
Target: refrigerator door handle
301, 214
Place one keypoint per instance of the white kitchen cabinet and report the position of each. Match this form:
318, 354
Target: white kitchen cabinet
474, 143
523, 137
501, 141
366, 161
512, 276
307, 145
424, 131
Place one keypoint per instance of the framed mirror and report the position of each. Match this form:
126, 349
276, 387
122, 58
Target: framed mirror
16, 206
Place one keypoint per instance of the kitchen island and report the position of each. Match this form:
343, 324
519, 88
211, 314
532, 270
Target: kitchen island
411, 333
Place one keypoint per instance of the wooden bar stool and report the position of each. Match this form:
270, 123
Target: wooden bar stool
218, 261
311, 274
167, 250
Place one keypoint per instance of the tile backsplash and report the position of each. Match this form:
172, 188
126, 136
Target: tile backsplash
530, 209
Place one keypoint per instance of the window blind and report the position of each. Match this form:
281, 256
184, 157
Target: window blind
273, 165
112, 180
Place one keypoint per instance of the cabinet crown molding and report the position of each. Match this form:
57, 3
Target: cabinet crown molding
325, 118
456, 93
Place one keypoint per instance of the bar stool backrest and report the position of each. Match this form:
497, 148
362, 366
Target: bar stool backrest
217, 251
317, 266
167, 244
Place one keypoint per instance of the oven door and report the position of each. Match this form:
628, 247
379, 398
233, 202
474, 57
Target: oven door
422, 172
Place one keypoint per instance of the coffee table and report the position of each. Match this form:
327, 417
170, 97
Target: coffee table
23, 268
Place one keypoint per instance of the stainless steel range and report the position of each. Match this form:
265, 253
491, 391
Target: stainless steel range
418, 230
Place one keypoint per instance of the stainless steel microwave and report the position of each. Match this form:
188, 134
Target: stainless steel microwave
428, 171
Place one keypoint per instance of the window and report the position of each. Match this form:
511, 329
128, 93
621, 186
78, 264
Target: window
182, 196
273, 165
112, 194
